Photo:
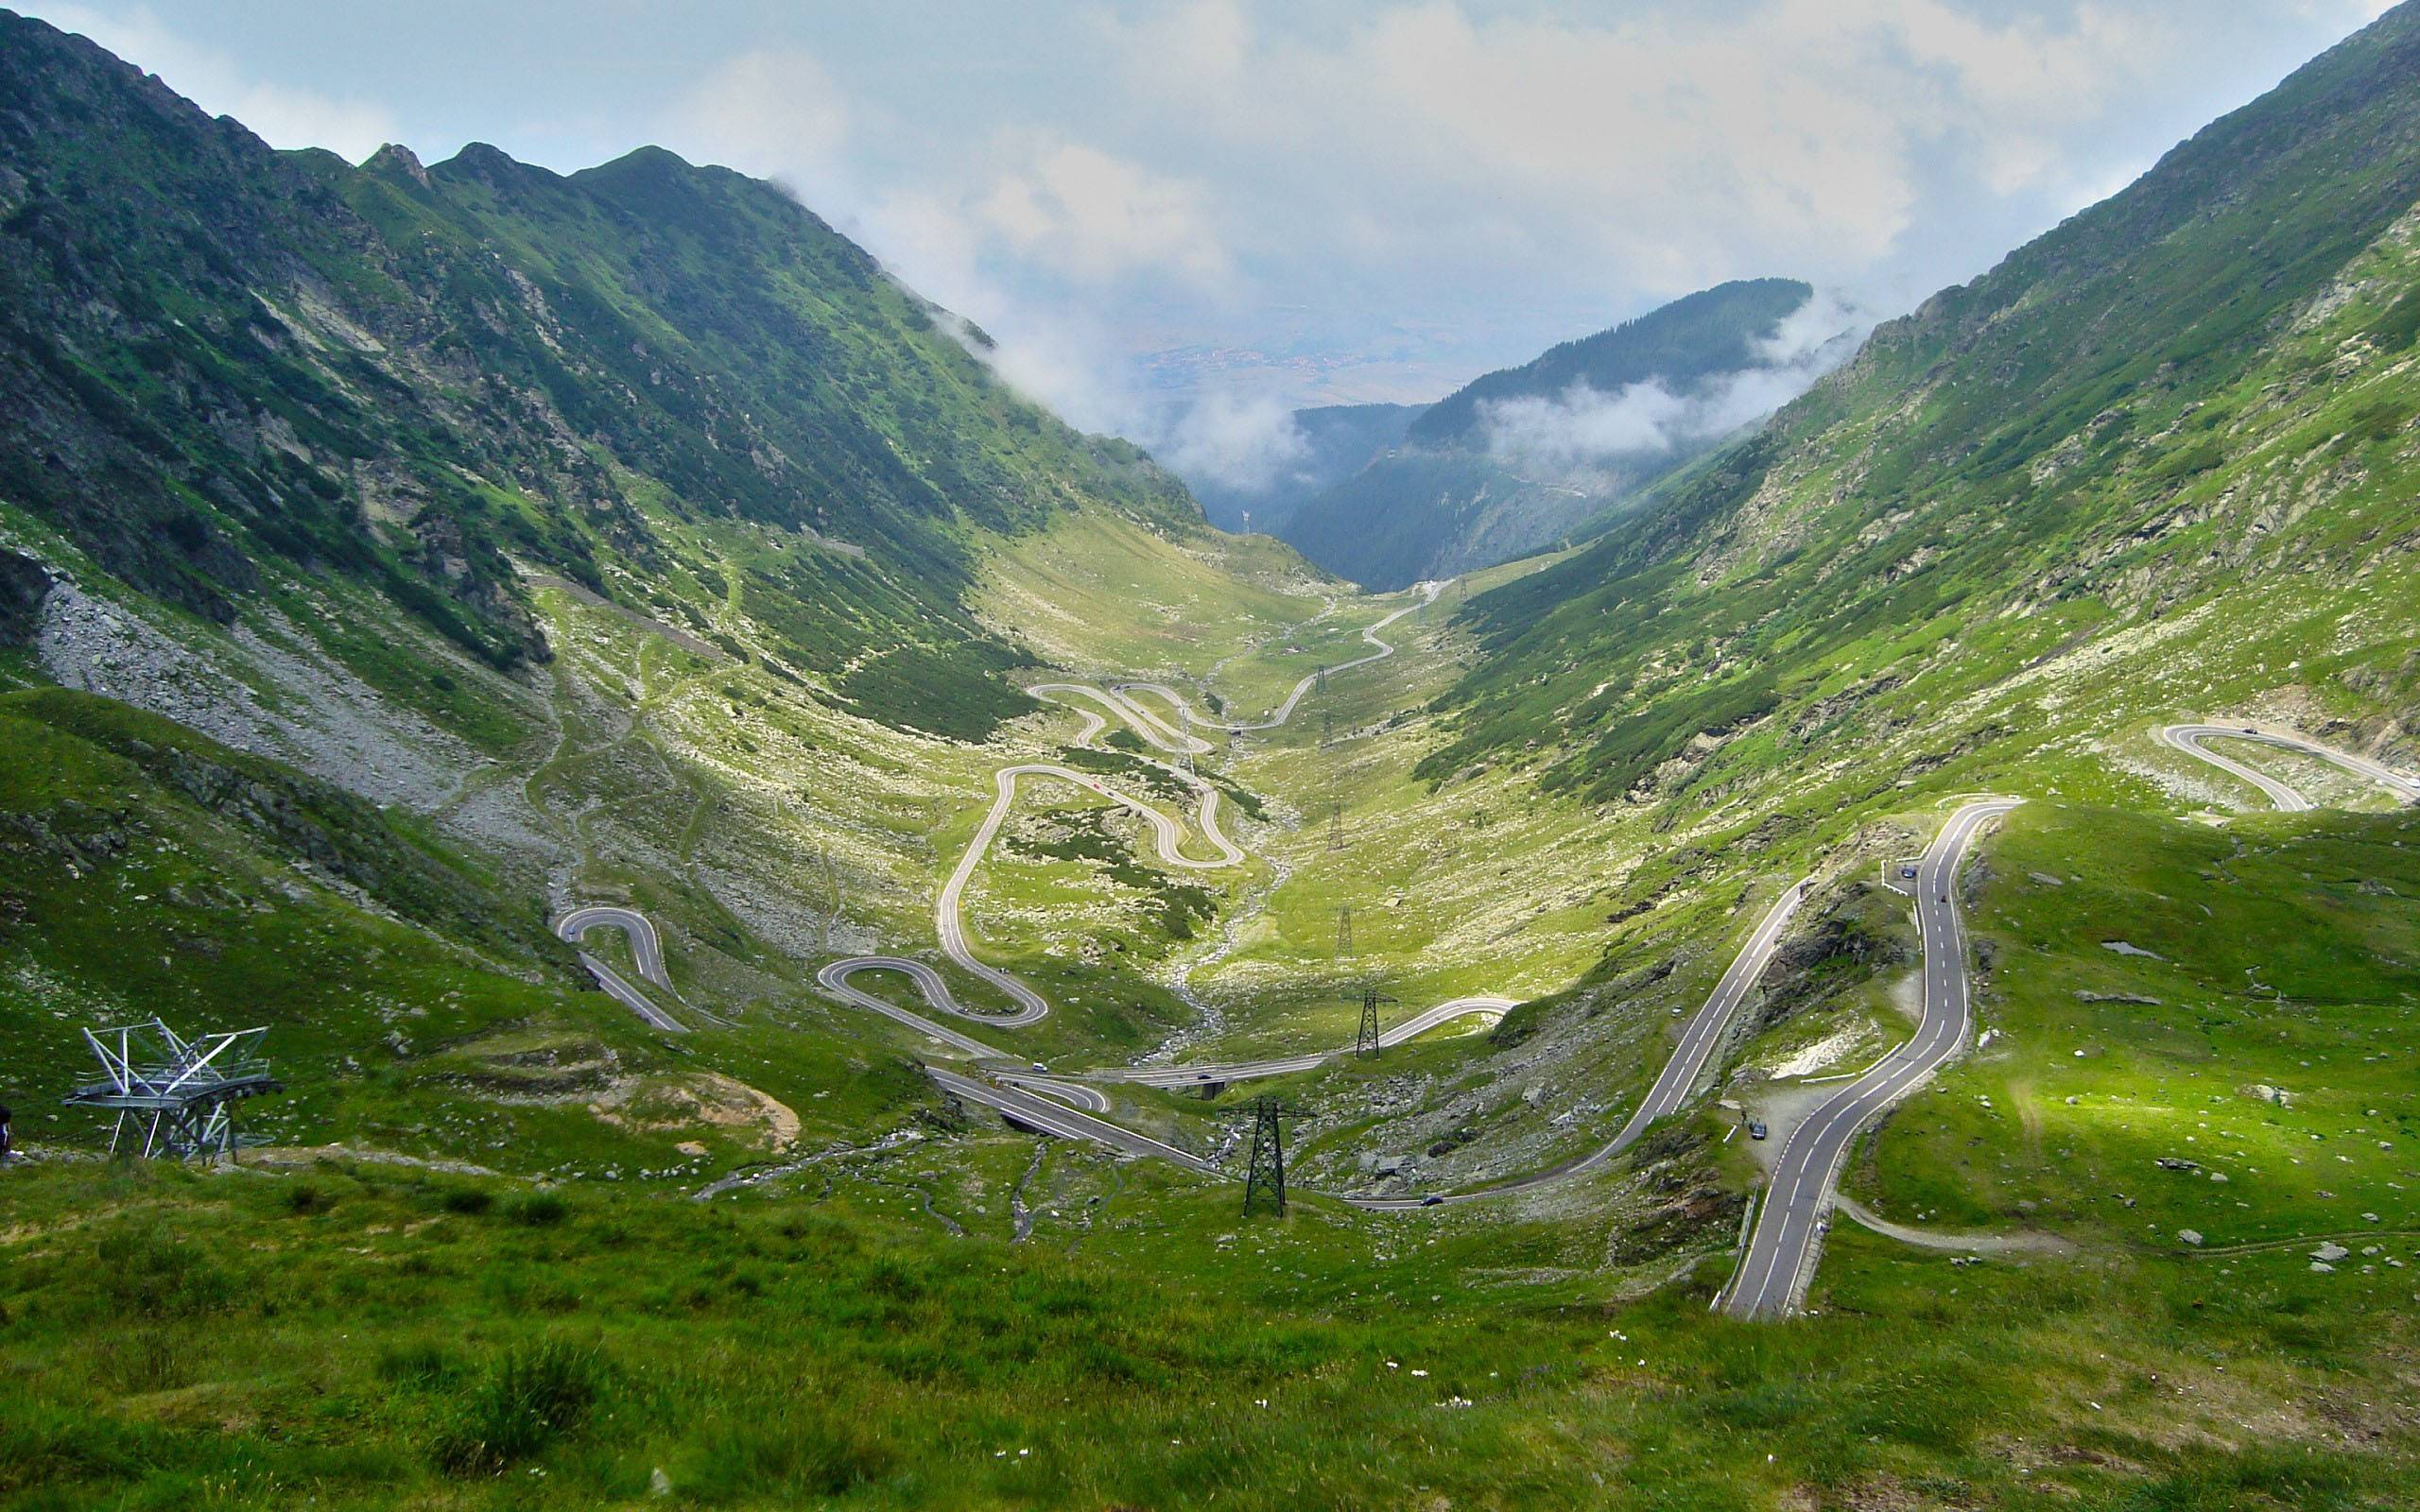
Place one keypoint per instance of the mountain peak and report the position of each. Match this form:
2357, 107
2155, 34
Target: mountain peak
396, 159
482, 162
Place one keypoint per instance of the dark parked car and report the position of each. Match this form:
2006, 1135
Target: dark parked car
1756, 1130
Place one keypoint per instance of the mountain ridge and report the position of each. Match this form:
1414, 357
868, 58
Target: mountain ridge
2064, 439
1522, 457
403, 374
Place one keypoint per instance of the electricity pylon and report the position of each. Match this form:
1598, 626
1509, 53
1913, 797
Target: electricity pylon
1365, 1039
1344, 931
1265, 1181
1336, 825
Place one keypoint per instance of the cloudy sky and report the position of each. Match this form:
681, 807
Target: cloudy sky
1240, 205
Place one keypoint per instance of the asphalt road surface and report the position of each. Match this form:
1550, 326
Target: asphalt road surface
1028, 1096
1487, 1008
1428, 593
646, 949
1035, 1113
1168, 836
948, 917
2188, 739
834, 979
1704, 1031
1789, 1234
1074, 1093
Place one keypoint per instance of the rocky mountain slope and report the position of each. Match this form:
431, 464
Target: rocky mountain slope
2171, 444
1521, 457
624, 535
234, 371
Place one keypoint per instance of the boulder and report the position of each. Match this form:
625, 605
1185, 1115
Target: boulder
23, 584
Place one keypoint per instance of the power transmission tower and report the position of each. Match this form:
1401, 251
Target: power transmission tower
1186, 719
177, 1095
1327, 727
1265, 1182
1336, 825
1365, 1039
1319, 679
1344, 931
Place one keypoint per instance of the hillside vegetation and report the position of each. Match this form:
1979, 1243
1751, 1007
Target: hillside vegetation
1458, 493
2167, 446
233, 367
394, 558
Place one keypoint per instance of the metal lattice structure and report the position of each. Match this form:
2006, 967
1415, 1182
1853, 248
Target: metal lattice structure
177, 1093
1265, 1181
1365, 1039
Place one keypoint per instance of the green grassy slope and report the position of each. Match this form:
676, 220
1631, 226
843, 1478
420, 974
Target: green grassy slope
1000, 1321
235, 365
2188, 406
417, 1004
1652, 736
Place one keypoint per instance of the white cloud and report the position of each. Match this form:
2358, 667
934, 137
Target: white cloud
1583, 426
282, 116
1237, 441
1674, 146
1096, 218
776, 114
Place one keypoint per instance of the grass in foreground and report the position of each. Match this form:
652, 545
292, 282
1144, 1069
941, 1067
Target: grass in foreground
368, 1337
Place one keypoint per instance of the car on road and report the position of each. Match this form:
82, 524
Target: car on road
1039, 1066
1432, 1200
1756, 1130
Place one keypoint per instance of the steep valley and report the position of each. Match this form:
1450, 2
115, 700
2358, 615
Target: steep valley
395, 559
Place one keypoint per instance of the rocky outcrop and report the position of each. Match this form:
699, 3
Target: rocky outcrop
24, 585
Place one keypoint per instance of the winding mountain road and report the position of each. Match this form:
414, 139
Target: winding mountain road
1029, 1097
2188, 739
1786, 1242
1705, 1030
1284, 711
1781, 1253
1484, 1007
1036, 1112
646, 949
1169, 834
